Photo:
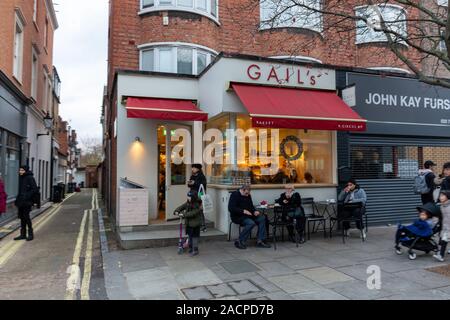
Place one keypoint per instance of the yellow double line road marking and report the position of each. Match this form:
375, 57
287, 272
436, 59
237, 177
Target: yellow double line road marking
73, 282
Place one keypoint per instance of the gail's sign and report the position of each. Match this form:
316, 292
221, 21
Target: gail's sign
290, 76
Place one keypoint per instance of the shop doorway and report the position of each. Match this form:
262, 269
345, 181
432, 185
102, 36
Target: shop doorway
172, 178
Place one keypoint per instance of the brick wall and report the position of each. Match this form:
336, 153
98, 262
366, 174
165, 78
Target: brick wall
438, 155
33, 34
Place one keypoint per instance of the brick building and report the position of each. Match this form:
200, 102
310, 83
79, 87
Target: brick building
29, 91
197, 50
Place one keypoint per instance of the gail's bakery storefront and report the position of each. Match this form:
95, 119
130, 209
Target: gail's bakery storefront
247, 119
408, 123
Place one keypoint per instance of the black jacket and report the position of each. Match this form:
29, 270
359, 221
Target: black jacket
238, 203
294, 202
445, 185
199, 179
27, 190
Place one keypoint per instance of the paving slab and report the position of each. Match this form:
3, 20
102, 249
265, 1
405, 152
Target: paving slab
325, 275
323, 294
294, 283
392, 264
427, 279
192, 273
243, 287
270, 269
299, 262
165, 295
222, 290
197, 293
239, 266
150, 282
357, 290
432, 294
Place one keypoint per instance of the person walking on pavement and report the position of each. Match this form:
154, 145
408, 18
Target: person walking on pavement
428, 173
3, 197
198, 179
24, 202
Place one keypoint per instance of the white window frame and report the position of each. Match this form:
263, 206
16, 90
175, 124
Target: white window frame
45, 93
442, 45
391, 69
173, 6
298, 59
442, 3
35, 7
19, 24
360, 39
34, 73
316, 26
157, 46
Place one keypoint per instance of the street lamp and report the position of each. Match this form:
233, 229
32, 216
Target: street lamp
48, 124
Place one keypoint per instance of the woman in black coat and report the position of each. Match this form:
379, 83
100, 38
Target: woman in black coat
24, 202
291, 203
198, 179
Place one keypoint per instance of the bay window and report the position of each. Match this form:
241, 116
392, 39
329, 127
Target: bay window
208, 8
393, 16
291, 14
182, 59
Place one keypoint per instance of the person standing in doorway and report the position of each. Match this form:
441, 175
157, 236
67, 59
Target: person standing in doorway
198, 179
3, 197
24, 202
428, 172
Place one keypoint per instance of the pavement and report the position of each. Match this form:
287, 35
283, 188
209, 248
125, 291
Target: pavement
320, 269
75, 256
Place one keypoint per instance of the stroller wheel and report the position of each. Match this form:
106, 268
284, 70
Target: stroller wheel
412, 256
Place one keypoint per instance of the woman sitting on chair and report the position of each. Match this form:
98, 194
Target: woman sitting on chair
291, 204
351, 195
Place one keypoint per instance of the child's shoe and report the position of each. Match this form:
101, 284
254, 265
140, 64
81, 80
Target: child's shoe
438, 257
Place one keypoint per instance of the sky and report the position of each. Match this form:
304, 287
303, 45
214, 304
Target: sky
80, 55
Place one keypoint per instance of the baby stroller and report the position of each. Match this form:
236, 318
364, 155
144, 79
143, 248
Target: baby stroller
413, 241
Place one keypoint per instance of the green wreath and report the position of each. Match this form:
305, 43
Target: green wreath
299, 144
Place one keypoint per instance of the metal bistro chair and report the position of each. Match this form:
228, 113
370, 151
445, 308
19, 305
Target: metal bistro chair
314, 218
278, 222
339, 220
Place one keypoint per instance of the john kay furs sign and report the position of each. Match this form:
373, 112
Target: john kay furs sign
404, 101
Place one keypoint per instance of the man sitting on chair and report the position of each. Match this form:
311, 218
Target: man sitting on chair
244, 213
352, 194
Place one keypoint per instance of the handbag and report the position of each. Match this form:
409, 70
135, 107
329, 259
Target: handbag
297, 213
207, 203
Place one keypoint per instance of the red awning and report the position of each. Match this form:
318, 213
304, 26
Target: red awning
274, 107
164, 109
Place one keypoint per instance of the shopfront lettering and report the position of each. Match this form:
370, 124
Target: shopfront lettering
285, 75
394, 100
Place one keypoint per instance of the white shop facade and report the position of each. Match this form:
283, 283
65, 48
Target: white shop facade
291, 108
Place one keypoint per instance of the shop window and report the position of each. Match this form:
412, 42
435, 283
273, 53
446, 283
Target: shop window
12, 163
393, 16
312, 151
182, 59
290, 14
385, 162
206, 8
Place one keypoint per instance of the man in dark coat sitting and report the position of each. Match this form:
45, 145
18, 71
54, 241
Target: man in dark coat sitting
244, 213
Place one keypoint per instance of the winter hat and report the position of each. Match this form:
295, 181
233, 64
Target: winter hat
197, 166
431, 208
25, 167
428, 164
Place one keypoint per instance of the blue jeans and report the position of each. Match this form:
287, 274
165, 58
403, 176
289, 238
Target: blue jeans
249, 224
